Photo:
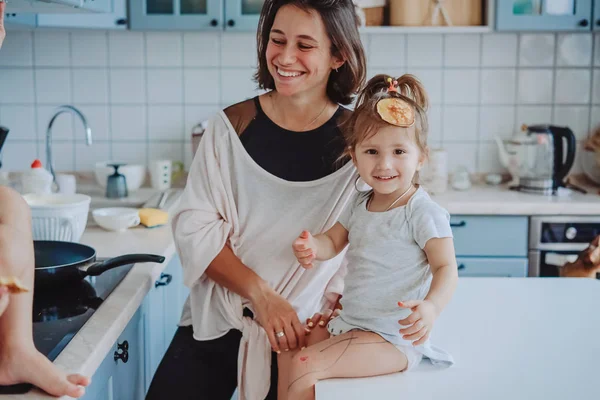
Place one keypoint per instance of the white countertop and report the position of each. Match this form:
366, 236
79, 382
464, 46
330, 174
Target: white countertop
511, 338
88, 348
499, 200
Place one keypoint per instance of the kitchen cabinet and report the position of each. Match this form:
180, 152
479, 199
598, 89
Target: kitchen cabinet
176, 15
242, 15
119, 376
162, 310
490, 246
113, 16
544, 15
17, 21
597, 15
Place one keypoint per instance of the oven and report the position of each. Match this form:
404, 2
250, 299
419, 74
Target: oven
556, 240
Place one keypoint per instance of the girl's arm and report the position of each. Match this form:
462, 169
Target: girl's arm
442, 260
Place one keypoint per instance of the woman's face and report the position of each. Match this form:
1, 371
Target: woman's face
298, 54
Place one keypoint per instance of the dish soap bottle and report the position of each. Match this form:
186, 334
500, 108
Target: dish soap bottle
37, 180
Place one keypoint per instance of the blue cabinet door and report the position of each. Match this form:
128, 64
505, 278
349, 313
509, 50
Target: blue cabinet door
502, 236
242, 15
14, 21
172, 298
115, 17
492, 267
597, 15
176, 15
154, 332
543, 15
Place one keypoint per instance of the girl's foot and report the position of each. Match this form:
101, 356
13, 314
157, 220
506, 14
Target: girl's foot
27, 365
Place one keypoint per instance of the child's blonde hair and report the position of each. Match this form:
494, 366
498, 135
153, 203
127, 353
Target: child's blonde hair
365, 120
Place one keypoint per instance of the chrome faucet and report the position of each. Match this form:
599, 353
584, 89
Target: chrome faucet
60, 110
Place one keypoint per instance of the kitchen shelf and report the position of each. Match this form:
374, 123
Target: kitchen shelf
425, 29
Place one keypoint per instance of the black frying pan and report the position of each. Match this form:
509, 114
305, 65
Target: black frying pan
58, 263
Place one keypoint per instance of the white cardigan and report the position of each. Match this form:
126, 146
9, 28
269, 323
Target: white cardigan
230, 200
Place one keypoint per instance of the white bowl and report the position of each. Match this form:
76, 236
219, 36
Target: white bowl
116, 218
58, 216
134, 174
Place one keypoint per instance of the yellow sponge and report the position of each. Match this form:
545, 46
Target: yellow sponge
152, 217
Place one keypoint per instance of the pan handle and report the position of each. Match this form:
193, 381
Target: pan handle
98, 268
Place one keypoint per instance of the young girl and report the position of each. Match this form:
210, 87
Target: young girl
401, 248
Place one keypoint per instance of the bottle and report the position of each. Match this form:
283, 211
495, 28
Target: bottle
37, 180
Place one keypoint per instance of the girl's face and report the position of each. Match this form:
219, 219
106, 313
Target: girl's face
298, 54
388, 160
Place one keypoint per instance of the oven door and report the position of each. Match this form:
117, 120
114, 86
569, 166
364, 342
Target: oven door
550, 261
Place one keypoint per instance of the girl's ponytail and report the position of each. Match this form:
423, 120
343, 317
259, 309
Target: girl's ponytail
411, 87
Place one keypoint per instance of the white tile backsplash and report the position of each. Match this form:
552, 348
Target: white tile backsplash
499, 50
90, 85
574, 50
575, 117
425, 51
536, 50
164, 49
17, 50
462, 50
535, 86
572, 86
460, 124
165, 85
53, 85
386, 50
89, 49
63, 155
51, 49
498, 86
128, 123
142, 92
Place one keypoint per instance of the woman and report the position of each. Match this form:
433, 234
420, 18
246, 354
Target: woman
261, 166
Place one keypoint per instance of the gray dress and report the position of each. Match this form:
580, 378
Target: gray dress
386, 264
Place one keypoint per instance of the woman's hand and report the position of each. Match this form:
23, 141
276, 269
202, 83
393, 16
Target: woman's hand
420, 321
305, 249
276, 315
320, 319
3, 299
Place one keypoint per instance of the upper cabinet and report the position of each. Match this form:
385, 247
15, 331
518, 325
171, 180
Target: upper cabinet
113, 17
242, 15
176, 15
544, 15
597, 15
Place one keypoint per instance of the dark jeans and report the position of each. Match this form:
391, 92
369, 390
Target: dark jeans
198, 370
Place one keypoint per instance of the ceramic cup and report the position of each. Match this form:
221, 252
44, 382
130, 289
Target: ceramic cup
160, 174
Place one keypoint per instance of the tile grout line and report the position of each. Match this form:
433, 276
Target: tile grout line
146, 102
36, 123
554, 77
443, 93
517, 81
479, 100
109, 96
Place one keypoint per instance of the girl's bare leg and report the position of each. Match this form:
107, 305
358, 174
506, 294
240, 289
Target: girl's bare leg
19, 359
354, 354
284, 360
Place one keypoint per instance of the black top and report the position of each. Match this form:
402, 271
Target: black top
294, 156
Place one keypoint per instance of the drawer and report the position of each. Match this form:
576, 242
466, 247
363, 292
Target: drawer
492, 267
504, 236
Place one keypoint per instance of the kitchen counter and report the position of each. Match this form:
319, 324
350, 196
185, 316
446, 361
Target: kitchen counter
499, 200
91, 344
511, 338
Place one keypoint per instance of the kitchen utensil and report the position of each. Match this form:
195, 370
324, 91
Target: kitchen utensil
116, 185
116, 218
58, 216
135, 174
3, 135
542, 159
62, 263
160, 174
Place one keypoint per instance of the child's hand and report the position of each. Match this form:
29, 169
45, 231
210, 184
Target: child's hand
3, 299
420, 321
320, 320
305, 249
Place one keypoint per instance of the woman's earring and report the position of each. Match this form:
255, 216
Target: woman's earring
336, 70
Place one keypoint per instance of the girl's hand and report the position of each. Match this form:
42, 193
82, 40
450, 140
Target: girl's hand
275, 314
320, 320
3, 299
420, 321
305, 249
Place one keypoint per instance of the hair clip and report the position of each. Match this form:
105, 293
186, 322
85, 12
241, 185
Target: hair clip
396, 112
393, 85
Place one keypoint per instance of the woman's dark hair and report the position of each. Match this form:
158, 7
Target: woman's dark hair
341, 24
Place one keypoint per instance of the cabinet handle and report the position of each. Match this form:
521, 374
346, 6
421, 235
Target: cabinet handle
584, 23
231, 22
214, 22
164, 280
121, 21
458, 224
122, 352
461, 266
